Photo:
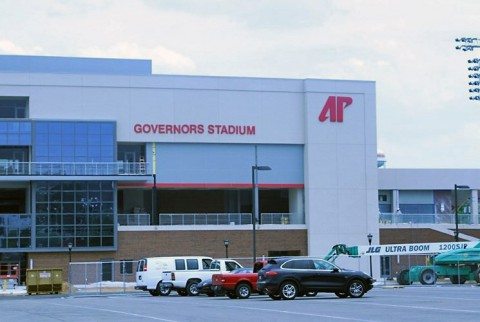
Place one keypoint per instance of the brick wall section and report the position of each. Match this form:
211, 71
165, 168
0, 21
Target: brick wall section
136, 245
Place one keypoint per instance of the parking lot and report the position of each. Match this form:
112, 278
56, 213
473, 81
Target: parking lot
412, 303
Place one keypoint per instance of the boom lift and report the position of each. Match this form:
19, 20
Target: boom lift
459, 261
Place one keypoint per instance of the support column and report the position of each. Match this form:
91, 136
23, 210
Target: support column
296, 208
474, 205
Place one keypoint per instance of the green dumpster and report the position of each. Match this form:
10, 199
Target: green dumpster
44, 281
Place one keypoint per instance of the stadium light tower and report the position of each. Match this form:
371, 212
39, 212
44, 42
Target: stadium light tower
470, 44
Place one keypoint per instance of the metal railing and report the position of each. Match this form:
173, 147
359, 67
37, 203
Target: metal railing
392, 218
222, 219
133, 219
13, 168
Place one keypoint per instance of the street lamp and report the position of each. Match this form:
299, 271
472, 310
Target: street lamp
370, 236
226, 242
456, 208
255, 170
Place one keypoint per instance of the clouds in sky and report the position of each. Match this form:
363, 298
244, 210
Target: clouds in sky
424, 117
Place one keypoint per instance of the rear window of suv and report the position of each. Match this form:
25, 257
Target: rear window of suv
299, 264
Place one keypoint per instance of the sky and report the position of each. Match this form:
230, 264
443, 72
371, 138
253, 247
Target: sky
424, 116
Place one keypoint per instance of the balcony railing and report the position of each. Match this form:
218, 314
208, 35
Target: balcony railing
222, 219
392, 218
13, 168
134, 219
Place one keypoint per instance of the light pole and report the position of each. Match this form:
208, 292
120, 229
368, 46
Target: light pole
255, 170
70, 246
370, 236
226, 242
456, 208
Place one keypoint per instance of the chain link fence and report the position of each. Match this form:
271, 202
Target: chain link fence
102, 277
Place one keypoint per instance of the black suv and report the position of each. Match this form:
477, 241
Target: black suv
290, 277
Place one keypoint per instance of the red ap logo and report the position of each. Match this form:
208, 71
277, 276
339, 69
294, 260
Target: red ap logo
334, 107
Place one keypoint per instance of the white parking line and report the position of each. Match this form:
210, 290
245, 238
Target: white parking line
115, 311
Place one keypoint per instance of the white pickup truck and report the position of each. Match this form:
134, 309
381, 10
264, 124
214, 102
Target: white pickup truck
185, 281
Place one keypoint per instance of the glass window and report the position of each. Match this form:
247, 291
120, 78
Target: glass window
192, 264
81, 216
179, 264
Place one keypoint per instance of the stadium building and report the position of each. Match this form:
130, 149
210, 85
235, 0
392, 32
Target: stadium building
102, 160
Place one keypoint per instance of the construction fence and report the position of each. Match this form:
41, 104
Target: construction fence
102, 277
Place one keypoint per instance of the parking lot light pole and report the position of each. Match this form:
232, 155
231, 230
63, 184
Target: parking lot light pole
70, 246
226, 242
455, 204
255, 203
370, 236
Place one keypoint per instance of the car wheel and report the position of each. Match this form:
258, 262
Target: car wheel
220, 293
454, 279
311, 294
192, 289
356, 289
341, 295
403, 278
243, 291
232, 295
153, 292
182, 292
288, 290
428, 277
275, 297
163, 291
211, 294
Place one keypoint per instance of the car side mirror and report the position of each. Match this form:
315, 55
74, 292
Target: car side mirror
335, 270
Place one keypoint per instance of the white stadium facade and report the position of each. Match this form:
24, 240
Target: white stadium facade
118, 163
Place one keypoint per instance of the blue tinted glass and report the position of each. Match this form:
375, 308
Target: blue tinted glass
55, 139
68, 150
81, 158
25, 127
41, 127
107, 128
68, 139
12, 139
81, 128
3, 126
94, 151
41, 159
13, 127
94, 128
68, 158
80, 151
80, 139
41, 139
25, 139
3, 138
55, 127
55, 150
68, 128
41, 150
107, 151
93, 139
106, 139
106, 158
